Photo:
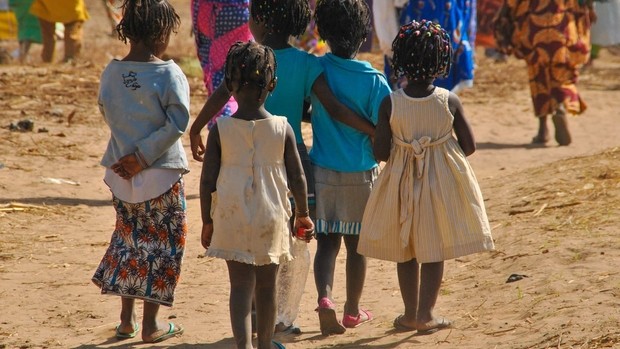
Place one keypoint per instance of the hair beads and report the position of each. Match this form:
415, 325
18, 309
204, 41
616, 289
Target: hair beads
422, 51
253, 62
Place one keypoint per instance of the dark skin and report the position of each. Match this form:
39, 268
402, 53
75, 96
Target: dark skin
420, 283
127, 167
248, 280
328, 247
220, 96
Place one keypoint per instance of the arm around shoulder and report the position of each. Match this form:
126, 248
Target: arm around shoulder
339, 111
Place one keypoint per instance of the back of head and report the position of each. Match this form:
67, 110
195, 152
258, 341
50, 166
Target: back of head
250, 63
422, 51
289, 17
147, 21
343, 24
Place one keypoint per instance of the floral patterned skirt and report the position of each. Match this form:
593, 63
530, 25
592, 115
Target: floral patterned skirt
146, 251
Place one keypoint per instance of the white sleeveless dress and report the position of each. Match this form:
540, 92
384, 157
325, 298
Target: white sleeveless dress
250, 208
426, 203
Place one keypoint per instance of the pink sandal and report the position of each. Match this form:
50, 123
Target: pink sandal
351, 321
327, 318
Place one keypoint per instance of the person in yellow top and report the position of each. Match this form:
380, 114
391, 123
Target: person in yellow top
71, 13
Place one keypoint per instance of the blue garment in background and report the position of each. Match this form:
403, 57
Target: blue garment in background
458, 18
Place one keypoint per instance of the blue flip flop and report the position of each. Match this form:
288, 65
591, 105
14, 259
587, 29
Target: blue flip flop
278, 345
120, 335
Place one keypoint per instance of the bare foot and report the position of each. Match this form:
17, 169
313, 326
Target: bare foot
434, 326
401, 324
562, 135
162, 333
542, 136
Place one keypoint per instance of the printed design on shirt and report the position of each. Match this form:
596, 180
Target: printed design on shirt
131, 80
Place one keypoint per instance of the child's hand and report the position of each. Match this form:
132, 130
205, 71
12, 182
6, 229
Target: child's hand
305, 227
197, 146
127, 166
206, 235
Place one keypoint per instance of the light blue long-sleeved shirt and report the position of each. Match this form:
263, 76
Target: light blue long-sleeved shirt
146, 106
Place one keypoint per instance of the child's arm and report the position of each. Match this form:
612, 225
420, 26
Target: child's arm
208, 181
464, 135
339, 111
383, 135
297, 183
212, 106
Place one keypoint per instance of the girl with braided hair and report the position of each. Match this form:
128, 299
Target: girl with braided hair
300, 75
145, 102
426, 206
250, 163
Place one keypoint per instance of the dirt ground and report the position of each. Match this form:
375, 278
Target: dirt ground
554, 211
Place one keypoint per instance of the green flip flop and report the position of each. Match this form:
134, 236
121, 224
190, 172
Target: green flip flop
120, 335
172, 332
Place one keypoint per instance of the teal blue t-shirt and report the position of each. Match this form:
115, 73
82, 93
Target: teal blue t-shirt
360, 87
296, 72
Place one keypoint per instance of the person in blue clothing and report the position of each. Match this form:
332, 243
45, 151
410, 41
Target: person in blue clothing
458, 18
342, 157
298, 76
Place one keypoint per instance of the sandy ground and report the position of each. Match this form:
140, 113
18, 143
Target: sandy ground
555, 213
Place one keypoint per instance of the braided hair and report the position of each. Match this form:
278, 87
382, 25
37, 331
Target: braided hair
422, 51
147, 21
290, 17
344, 24
253, 62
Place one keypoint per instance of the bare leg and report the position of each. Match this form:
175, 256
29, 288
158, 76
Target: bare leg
327, 250
542, 136
265, 292
560, 122
242, 284
356, 275
24, 48
128, 316
408, 280
48, 35
430, 282
152, 329
73, 40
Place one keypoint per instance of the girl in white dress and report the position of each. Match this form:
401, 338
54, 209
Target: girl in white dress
250, 162
426, 206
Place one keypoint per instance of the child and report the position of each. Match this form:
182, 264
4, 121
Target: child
299, 75
344, 166
243, 193
73, 14
426, 206
28, 29
145, 102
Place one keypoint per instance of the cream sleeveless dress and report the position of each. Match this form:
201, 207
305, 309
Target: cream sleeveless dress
250, 207
426, 203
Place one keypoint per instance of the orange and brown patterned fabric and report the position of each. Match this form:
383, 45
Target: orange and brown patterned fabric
486, 12
553, 37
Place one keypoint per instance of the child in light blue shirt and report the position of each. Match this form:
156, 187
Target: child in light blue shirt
344, 165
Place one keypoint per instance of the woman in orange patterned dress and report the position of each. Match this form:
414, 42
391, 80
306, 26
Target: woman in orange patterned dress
553, 37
